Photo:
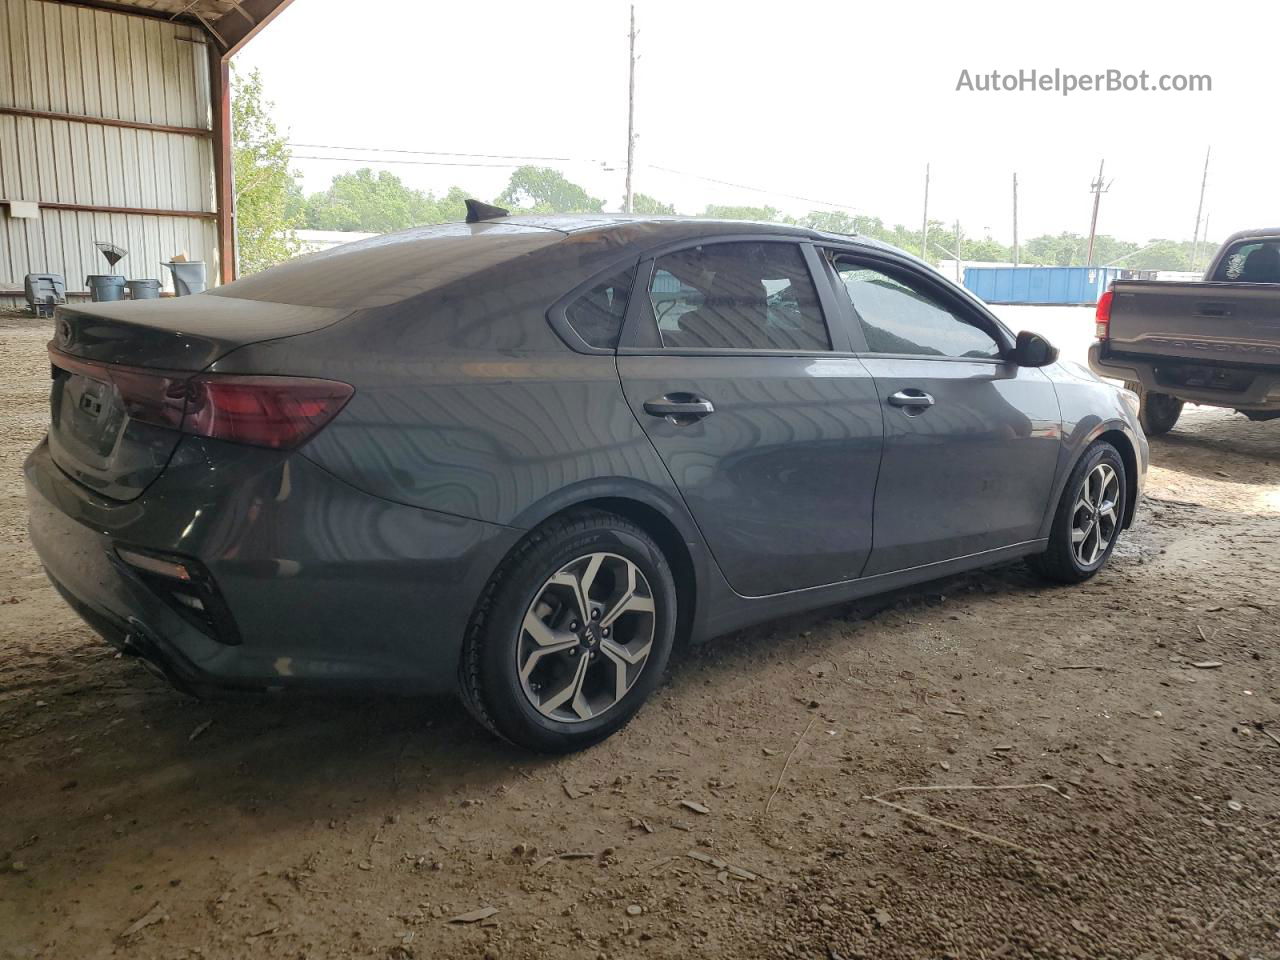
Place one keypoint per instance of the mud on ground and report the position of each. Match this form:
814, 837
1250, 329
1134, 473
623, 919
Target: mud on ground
136, 822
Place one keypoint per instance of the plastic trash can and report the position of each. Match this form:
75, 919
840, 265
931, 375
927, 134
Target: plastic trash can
44, 291
105, 286
188, 276
143, 289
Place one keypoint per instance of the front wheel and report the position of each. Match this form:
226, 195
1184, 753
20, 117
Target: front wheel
1089, 517
571, 635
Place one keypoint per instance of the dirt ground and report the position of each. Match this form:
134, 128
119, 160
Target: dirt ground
1134, 720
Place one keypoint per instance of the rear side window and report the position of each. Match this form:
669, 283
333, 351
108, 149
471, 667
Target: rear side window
597, 315
1251, 261
899, 319
738, 296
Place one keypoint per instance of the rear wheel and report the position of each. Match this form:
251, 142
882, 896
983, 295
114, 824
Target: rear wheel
1159, 411
1089, 518
571, 635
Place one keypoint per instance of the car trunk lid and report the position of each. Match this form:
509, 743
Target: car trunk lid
120, 373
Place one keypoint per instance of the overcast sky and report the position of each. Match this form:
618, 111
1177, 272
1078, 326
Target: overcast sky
836, 102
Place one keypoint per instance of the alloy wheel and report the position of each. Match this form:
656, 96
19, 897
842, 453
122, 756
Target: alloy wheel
586, 637
1095, 520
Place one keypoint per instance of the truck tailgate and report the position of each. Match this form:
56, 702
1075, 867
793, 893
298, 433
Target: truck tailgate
1237, 323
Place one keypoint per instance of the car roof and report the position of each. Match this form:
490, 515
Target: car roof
649, 225
393, 267
657, 229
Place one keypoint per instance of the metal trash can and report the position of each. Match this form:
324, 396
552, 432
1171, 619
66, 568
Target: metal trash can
143, 289
188, 276
105, 286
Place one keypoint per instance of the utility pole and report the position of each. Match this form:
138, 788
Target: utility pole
924, 224
1195, 245
1196, 265
1098, 188
959, 278
1015, 219
631, 112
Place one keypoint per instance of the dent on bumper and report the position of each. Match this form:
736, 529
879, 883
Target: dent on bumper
327, 584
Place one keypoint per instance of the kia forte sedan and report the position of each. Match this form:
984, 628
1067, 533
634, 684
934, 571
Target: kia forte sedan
520, 457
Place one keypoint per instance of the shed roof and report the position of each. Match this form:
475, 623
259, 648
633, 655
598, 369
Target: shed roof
231, 23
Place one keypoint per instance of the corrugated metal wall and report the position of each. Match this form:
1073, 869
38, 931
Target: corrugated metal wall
74, 60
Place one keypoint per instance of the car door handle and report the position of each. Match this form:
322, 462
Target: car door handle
910, 397
680, 407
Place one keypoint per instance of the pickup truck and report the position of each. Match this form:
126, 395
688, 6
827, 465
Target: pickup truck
1214, 342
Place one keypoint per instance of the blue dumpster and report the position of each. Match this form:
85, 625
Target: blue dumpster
1045, 285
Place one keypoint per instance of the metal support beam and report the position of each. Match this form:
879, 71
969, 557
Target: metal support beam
237, 27
130, 11
142, 211
223, 183
104, 121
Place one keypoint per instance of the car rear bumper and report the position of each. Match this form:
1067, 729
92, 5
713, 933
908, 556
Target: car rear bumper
323, 584
1262, 393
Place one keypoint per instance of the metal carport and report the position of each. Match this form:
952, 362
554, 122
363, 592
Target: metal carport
115, 122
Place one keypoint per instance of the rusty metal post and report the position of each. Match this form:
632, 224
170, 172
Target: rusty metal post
223, 185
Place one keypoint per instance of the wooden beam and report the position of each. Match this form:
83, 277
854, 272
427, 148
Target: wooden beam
223, 179
238, 26
142, 211
105, 121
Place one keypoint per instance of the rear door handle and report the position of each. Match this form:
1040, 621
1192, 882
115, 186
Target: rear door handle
911, 397
680, 407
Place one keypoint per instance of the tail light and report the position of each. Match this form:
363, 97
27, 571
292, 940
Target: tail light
276, 412
1102, 318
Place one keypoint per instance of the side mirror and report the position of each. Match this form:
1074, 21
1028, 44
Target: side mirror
1033, 350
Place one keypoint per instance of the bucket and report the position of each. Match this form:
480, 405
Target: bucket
188, 276
143, 289
105, 286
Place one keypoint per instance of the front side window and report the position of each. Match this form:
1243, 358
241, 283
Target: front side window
899, 319
597, 315
738, 296
1251, 261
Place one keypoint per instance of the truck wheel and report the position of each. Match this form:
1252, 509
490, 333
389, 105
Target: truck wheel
1159, 411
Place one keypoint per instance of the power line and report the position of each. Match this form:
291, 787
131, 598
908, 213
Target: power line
523, 158
743, 186
434, 153
420, 163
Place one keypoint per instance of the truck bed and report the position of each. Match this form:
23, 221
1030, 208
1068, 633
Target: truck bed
1229, 323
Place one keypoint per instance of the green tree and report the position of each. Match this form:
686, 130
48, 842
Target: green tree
715, 211
1167, 255
379, 203
266, 191
987, 250
643, 203
1061, 250
545, 190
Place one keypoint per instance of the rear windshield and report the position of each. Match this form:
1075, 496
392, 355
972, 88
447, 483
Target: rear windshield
388, 269
1250, 261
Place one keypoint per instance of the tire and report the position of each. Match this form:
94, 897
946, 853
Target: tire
1159, 411
1062, 561
528, 644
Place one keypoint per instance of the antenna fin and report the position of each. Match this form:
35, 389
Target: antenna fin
477, 211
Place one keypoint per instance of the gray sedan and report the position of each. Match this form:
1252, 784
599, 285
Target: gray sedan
520, 457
